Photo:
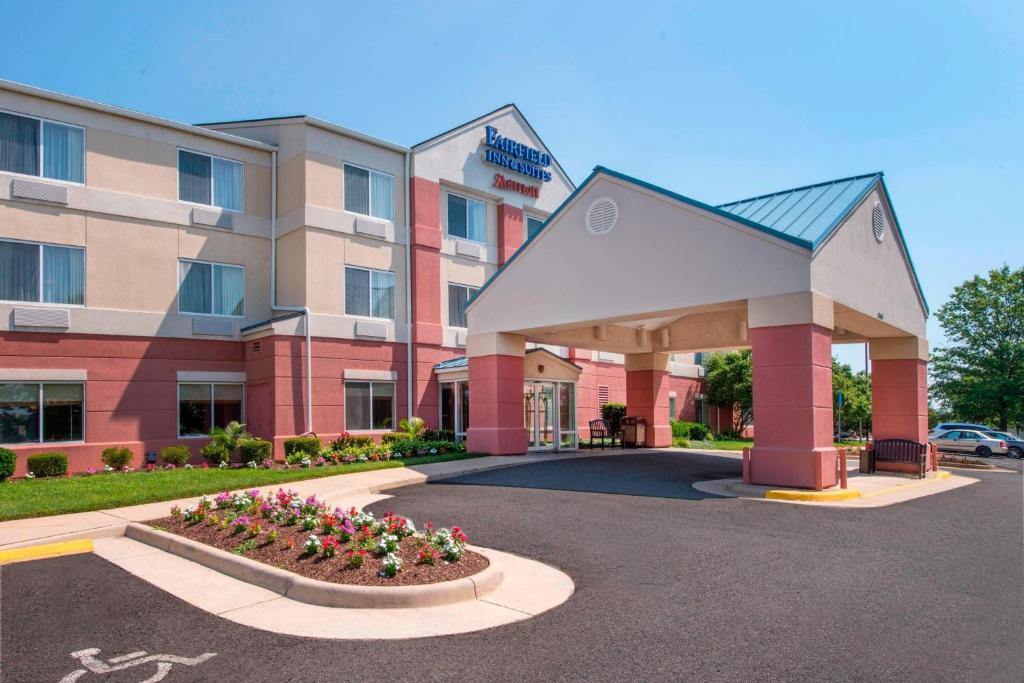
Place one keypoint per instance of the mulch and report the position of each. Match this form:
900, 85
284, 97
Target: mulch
331, 569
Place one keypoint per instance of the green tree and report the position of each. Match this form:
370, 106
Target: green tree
728, 380
979, 375
856, 388
230, 436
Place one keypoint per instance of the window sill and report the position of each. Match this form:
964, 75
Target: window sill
211, 207
41, 444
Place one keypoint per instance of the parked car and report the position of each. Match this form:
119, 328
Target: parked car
969, 441
950, 426
1014, 444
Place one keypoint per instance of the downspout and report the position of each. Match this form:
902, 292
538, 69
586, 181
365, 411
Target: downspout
273, 293
409, 371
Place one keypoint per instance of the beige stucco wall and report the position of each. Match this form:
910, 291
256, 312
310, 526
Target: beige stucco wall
874, 278
554, 368
663, 255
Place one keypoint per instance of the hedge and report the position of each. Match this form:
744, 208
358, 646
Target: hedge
175, 455
215, 453
255, 450
613, 414
6, 463
48, 464
308, 445
117, 457
690, 430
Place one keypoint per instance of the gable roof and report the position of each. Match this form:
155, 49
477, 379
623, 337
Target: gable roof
843, 196
511, 106
807, 213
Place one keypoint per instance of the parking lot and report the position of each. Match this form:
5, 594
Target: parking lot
670, 584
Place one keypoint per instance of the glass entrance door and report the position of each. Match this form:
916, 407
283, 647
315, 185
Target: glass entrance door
549, 410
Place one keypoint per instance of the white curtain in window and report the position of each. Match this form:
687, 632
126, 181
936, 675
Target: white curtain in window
63, 152
357, 405
195, 289
382, 195
357, 190
456, 216
19, 271
193, 177
228, 290
477, 221
63, 275
228, 184
383, 294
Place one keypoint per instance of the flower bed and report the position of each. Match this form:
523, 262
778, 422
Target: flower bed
340, 546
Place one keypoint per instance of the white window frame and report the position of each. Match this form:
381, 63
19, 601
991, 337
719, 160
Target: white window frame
213, 399
369, 192
39, 294
458, 284
394, 405
370, 316
40, 176
177, 296
448, 218
42, 416
459, 428
211, 205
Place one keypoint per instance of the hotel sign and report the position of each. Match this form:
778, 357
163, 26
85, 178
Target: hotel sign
503, 183
515, 156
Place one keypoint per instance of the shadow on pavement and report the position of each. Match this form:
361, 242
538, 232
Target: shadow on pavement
657, 474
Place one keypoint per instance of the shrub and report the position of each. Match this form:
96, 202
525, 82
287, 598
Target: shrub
414, 426
393, 437
255, 450
613, 414
689, 430
309, 446
6, 463
175, 455
48, 464
117, 457
215, 453
439, 435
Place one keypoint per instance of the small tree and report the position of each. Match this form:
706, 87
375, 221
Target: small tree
229, 437
979, 375
856, 388
729, 383
413, 427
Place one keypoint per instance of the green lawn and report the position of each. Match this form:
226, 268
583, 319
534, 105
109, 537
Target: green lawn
24, 498
740, 444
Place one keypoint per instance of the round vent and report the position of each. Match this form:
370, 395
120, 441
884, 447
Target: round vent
602, 215
878, 222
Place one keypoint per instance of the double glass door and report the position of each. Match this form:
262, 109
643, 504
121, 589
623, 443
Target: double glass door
549, 415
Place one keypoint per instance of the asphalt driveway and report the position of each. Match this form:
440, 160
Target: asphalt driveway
670, 584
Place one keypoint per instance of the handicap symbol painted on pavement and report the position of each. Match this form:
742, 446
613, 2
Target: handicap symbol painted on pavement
87, 658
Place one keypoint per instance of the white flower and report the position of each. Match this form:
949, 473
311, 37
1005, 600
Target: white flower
108, 468
30, 476
222, 465
433, 451
187, 466
251, 464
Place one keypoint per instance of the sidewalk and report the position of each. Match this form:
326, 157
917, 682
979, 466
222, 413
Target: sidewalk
341, 490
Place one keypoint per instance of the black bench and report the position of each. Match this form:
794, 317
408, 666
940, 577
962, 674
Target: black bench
599, 429
901, 451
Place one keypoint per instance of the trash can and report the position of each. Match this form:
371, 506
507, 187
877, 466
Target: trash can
634, 432
867, 461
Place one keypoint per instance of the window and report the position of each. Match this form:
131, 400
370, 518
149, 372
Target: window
370, 193
201, 407
42, 273
533, 226
672, 408
205, 179
211, 288
42, 148
698, 358
36, 412
602, 396
370, 293
369, 405
455, 408
467, 218
458, 295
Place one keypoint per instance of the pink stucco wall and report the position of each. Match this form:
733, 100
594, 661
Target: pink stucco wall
496, 386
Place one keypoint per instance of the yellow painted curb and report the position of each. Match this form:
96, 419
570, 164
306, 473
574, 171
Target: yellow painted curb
787, 494
938, 475
38, 552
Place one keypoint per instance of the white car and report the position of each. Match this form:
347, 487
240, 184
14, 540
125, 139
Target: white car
969, 441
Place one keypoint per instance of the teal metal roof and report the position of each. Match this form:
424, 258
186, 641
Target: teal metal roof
452, 363
808, 213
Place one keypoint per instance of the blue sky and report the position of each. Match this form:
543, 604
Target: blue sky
715, 100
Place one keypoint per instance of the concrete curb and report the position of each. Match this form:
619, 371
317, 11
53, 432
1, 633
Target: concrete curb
323, 593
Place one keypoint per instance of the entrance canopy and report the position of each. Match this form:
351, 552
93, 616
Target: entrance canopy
628, 267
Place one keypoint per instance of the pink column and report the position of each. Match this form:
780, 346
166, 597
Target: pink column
496, 423
792, 376
425, 281
899, 402
511, 232
647, 396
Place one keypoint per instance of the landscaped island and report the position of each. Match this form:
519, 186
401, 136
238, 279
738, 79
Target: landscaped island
302, 535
